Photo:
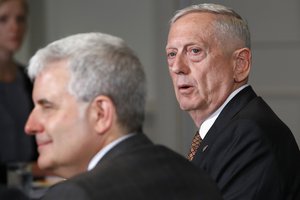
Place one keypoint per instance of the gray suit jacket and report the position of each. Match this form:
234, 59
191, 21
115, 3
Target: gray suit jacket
136, 169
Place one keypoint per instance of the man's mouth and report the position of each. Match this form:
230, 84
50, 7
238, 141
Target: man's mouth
185, 88
42, 143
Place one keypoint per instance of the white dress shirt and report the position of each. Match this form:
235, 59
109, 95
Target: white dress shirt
207, 124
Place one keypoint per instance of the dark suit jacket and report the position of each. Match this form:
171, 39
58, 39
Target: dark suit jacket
250, 152
10, 193
136, 169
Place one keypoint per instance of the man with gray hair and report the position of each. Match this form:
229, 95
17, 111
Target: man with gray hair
240, 141
89, 96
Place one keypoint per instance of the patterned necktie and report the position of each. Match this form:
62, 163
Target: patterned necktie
195, 145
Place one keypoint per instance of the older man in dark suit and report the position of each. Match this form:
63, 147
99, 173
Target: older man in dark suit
89, 95
241, 143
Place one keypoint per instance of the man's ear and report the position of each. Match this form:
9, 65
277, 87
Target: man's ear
242, 64
103, 114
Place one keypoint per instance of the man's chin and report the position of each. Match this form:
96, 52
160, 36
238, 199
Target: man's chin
44, 164
184, 107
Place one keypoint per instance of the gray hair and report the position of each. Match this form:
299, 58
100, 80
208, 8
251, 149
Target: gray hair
229, 23
99, 64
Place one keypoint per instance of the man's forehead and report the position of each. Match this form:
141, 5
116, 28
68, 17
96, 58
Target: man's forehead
51, 81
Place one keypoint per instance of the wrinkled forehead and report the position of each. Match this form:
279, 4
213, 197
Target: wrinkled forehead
197, 27
54, 72
197, 22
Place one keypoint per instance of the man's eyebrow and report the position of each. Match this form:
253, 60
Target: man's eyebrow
43, 102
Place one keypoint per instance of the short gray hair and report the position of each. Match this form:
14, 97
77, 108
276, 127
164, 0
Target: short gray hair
228, 21
100, 64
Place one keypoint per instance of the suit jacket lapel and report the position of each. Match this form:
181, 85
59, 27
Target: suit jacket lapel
234, 106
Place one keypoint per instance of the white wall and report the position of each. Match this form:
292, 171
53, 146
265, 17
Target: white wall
275, 28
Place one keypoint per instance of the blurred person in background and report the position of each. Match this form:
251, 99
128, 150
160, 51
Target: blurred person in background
15, 88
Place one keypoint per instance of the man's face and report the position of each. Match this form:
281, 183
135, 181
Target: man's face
60, 123
201, 72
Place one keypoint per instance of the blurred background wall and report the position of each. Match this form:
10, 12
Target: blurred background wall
275, 29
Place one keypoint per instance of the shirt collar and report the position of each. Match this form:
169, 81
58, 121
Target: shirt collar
106, 149
207, 124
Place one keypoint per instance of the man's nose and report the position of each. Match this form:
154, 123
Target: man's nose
180, 65
32, 125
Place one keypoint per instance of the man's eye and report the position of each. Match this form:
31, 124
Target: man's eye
47, 106
195, 50
171, 54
